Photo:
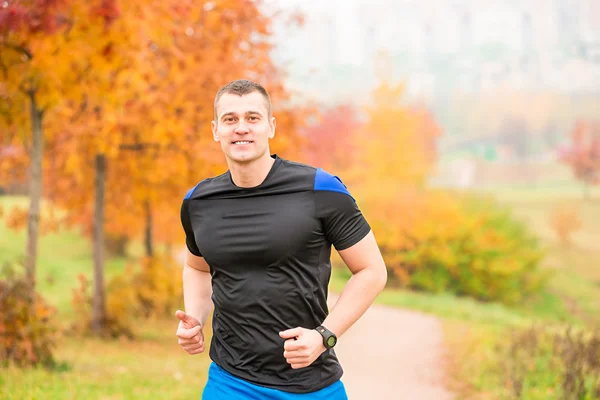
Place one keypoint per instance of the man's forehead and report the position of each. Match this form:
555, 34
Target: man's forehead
233, 103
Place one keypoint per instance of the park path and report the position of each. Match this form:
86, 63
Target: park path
393, 354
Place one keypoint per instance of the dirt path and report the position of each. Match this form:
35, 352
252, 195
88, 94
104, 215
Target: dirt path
392, 354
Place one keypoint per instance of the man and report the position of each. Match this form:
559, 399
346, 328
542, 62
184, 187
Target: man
259, 243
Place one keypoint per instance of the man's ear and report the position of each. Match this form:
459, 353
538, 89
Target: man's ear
273, 124
213, 126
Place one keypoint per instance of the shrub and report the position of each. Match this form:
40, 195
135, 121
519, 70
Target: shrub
565, 220
151, 288
467, 246
116, 322
28, 332
537, 361
158, 287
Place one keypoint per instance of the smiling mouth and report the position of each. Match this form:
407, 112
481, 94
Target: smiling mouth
242, 142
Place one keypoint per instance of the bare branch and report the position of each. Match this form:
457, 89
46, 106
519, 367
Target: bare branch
138, 146
20, 49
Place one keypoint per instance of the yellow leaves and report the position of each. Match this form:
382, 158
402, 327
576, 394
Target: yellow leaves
399, 141
16, 218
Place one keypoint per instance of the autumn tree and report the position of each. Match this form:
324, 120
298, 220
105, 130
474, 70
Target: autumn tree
41, 47
398, 140
583, 154
332, 142
398, 152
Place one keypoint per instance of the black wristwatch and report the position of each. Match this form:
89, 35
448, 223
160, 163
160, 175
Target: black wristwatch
329, 338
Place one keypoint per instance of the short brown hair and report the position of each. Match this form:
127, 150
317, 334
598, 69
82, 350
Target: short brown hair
242, 87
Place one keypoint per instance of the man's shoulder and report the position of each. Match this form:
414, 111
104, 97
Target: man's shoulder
322, 180
206, 185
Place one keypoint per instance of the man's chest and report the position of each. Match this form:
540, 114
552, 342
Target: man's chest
256, 231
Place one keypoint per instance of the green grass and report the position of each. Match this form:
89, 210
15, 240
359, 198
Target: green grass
62, 256
154, 367
547, 306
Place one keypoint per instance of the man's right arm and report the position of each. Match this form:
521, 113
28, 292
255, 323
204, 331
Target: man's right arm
197, 288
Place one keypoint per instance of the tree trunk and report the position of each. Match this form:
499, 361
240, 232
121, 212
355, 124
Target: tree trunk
35, 191
148, 232
98, 311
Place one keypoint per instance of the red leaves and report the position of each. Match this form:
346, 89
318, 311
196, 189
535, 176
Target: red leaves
332, 142
36, 16
108, 10
584, 152
12, 17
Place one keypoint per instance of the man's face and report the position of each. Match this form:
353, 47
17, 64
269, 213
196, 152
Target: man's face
243, 126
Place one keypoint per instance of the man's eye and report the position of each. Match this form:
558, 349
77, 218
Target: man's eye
228, 119
253, 118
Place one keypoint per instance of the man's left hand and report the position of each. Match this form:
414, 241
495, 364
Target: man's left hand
303, 346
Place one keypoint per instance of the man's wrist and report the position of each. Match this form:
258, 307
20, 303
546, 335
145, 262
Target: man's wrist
329, 338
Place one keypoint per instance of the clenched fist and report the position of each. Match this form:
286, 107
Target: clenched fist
190, 333
303, 346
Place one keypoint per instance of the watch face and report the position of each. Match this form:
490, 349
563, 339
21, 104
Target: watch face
331, 341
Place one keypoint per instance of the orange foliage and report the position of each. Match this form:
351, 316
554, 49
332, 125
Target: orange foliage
136, 81
399, 141
28, 330
397, 154
16, 218
565, 220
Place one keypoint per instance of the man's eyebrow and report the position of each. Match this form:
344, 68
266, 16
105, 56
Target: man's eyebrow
247, 113
227, 114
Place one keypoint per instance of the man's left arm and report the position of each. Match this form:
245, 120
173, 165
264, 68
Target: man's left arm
369, 276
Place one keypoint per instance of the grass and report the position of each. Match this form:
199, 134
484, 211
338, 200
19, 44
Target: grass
62, 256
153, 367
452, 308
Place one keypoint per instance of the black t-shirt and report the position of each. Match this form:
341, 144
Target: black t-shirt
268, 249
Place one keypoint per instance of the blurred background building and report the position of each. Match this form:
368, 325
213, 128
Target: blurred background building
506, 79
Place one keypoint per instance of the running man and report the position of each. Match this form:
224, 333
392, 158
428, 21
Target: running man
259, 243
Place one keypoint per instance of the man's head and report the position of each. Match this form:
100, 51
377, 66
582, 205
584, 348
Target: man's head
242, 87
243, 121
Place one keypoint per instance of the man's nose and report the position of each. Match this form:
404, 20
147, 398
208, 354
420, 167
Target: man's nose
241, 128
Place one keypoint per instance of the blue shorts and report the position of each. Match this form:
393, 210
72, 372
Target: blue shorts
222, 385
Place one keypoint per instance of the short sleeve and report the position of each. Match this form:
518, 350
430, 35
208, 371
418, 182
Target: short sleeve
343, 222
190, 238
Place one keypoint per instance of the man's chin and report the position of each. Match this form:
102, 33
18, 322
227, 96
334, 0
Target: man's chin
242, 158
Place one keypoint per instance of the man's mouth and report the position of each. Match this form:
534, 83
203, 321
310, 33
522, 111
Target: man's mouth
242, 142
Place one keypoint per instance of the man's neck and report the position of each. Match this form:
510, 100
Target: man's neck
251, 174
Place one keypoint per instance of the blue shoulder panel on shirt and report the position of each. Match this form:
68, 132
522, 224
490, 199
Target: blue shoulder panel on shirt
325, 181
189, 193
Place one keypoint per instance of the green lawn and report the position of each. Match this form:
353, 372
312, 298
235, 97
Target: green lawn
62, 257
153, 367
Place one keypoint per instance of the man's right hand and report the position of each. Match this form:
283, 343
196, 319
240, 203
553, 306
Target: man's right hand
190, 333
